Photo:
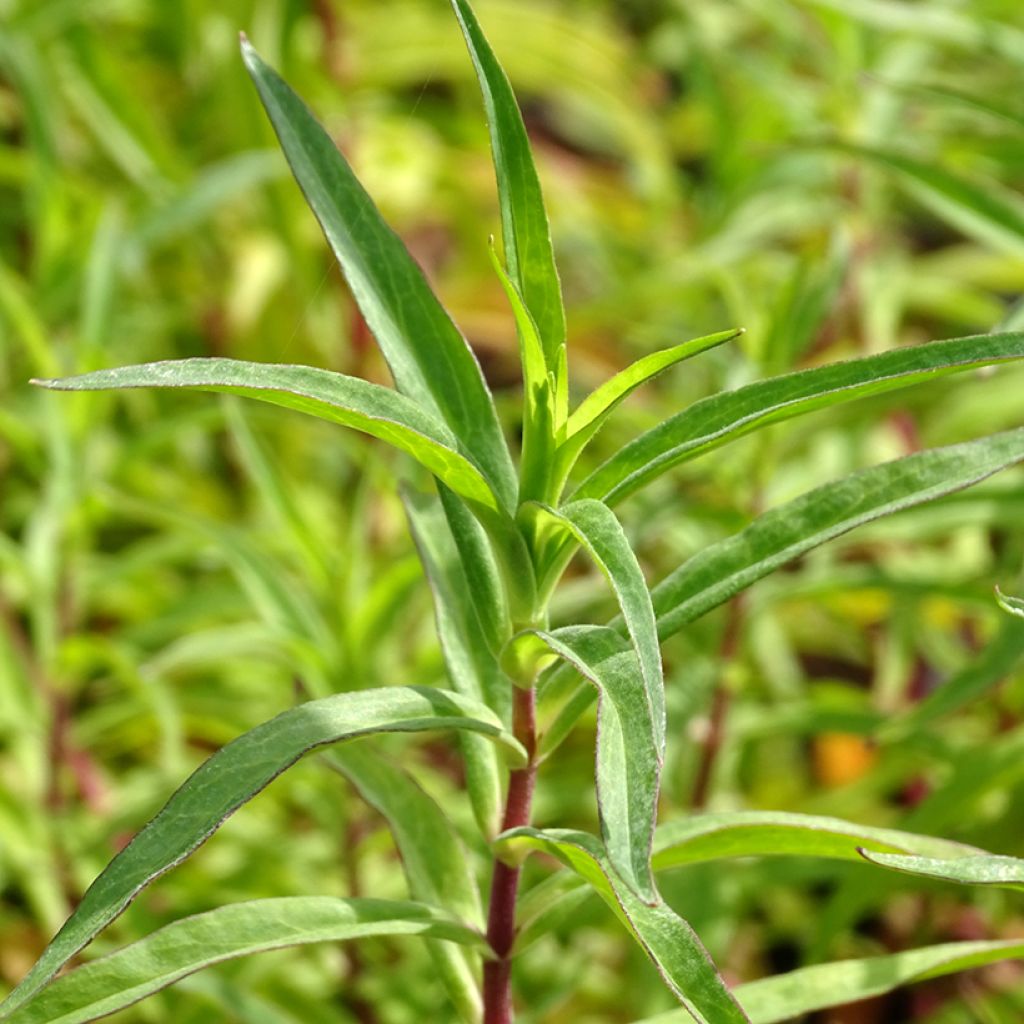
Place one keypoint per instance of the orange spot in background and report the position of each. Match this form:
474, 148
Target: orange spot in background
841, 757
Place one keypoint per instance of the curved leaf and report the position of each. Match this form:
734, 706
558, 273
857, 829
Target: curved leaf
665, 937
433, 859
524, 222
235, 774
706, 837
189, 945
1010, 604
352, 402
981, 869
714, 421
778, 536
597, 530
429, 359
785, 996
629, 756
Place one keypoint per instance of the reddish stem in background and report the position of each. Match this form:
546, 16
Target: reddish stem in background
501, 918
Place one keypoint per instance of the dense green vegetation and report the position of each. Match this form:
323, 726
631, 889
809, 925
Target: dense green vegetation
839, 178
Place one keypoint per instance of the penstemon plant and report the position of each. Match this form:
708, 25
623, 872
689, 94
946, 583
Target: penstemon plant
494, 542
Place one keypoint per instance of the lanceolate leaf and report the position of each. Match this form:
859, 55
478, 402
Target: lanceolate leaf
597, 530
788, 996
524, 223
235, 774
429, 358
782, 534
433, 859
375, 410
714, 421
589, 416
186, 946
472, 668
706, 837
982, 869
665, 937
628, 748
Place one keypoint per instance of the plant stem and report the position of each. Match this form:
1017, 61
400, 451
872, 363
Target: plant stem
501, 918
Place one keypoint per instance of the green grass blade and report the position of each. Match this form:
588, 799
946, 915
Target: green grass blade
352, 402
472, 667
240, 929
778, 536
787, 996
706, 837
589, 416
716, 420
428, 357
628, 751
982, 869
234, 775
433, 859
524, 222
598, 532
666, 938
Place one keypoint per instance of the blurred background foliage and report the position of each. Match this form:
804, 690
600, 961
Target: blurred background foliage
837, 176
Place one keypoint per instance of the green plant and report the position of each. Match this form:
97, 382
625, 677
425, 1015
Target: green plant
494, 544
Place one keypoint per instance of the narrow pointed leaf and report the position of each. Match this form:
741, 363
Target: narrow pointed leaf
352, 402
524, 222
982, 869
789, 996
705, 837
1013, 605
665, 937
186, 946
472, 668
234, 775
628, 751
433, 859
589, 416
784, 533
599, 533
714, 421
429, 359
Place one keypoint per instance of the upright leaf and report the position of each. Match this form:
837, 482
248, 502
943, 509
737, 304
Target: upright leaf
428, 357
524, 223
433, 859
240, 929
716, 420
235, 774
666, 938
352, 402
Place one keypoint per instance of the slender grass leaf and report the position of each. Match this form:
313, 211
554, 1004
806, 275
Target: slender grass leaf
433, 859
982, 869
787, 996
589, 416
977, 677
186, 946
524, 222
597, 530
778, 536
628, 749
1013, 605
472, 668
665, 937
428, 357
706, 837
988, 212
714, 421
234, 775
352, 402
